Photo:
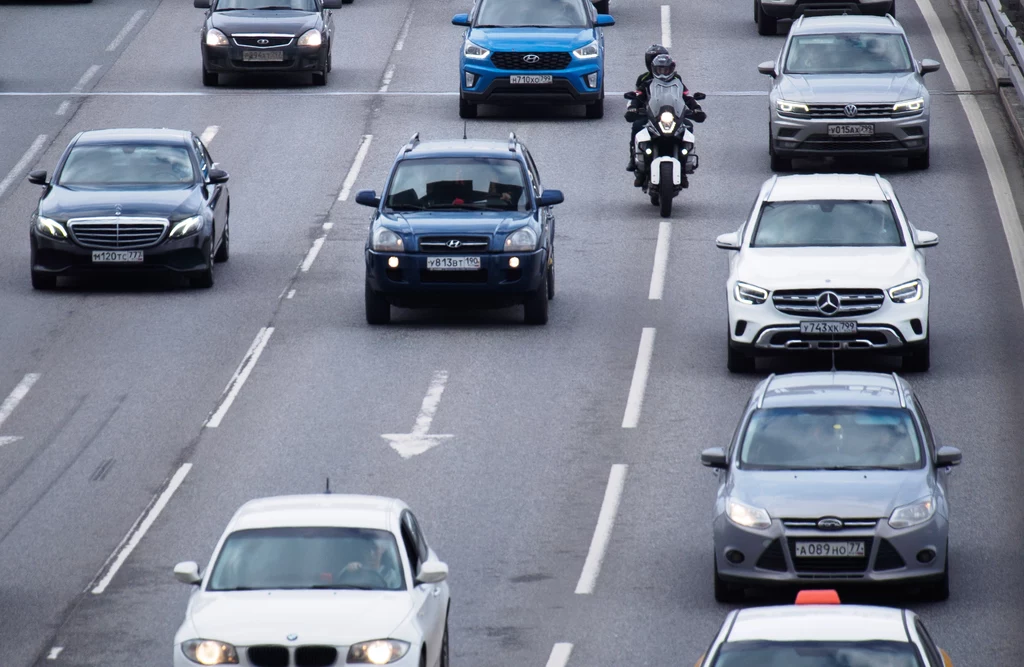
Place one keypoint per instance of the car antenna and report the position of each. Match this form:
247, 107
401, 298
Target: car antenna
465, 123
328, 489
833, 352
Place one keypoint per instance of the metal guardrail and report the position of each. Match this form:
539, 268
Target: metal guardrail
1007, 42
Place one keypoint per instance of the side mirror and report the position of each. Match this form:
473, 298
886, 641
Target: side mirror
928, 65
631, 95
699, 96
461, 19
368, 198
218, 176
38, 177
188, 571
550, 198
925, 239
768, 69
432, 572
730, 241
948, 456
604, 20
714, 458
201, 4
331, 4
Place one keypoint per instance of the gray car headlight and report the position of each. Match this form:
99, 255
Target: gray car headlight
209, 652
377, 652
311, 38
215, 37
474, 51
521, 240
386, 240
913, 514
51, 228
791, 107
588, 51
747, 516
752, 295
907, 292
186, 227
909, 106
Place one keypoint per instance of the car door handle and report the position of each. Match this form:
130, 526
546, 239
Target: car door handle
437, 591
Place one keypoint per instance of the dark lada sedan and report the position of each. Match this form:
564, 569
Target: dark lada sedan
131, 200
248, 36
461, 223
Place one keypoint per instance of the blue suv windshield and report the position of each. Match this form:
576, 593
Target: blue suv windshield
452, 183
532, 13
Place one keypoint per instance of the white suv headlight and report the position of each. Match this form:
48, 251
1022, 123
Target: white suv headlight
215, 37
908, 106
311, 38
752, 295
747, 516
907, 292
474, 51
913, 514
587, 52
521, 240
386, 240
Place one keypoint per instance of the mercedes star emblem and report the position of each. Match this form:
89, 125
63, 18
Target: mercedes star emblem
531, 58
292, 638
828, 303
850, 110
117, 209
454, 243
829, 523
263, 41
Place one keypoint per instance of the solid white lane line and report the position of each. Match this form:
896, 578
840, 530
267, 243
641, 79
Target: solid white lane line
603, 531
17, 394
208, 134
138, 531
63, 108
559, 655
240, 376
660, 261
311, 255
291, 293
54, 652
666, 26
84, 81
638, 386
357, 164
22, 164
128, 27
1005, 204
400, 44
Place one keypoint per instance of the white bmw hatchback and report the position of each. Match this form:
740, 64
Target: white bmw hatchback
314, 581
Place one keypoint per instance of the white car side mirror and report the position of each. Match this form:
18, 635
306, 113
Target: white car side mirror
926, 239
730, 241
188, 573
432, 572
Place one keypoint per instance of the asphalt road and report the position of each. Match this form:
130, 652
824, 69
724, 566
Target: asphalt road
123, 375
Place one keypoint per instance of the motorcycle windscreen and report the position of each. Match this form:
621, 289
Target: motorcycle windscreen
666, 94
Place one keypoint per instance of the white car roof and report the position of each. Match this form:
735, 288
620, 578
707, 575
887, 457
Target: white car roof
802, 187
819, 623
320, 510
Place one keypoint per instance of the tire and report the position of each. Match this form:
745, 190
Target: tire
43, 281
724, 592
595, 110
346, 2
601, 6
223, 252
781, 163
738, 361
444, 659
654, 197
766, 25
320, 78
535, 309
466, 109
378, 310
938, 591
666, 189
919, 162
204, 279
919, 360
551, 279
210, 79
756, 12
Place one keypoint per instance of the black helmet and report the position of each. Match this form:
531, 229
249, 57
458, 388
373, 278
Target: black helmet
663, 67
652, 52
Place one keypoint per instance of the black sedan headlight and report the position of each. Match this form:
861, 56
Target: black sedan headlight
186, 227
51, 228
311, 38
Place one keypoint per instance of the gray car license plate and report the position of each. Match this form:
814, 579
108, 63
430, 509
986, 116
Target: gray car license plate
263, 56
837, 327
530, 78
453, 263
851, 130
829, 550
117, 256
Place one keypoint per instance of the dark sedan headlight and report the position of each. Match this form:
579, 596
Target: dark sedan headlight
377, 652
521, 240
51, 228
209, 652
215, 37
186, 227
312, 38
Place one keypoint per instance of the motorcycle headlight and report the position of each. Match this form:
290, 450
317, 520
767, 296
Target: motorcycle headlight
377, 652
907, 292
587, 52
209, 652
913, 514
474, 51
521, 240
386, 240
791, 107
187, 226
747, 516
215, 37
51, 228
752, 295
311, 38
908, 106
667, 121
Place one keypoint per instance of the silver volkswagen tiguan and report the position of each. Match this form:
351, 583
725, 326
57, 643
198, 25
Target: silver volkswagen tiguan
848, 85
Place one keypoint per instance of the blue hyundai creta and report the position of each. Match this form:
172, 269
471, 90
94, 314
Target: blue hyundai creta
529, 51
461, 223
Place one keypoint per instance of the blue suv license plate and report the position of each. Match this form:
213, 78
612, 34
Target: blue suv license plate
530, 78
453, 263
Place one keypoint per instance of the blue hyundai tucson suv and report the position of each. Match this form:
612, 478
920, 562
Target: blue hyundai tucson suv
461, 223
532, 51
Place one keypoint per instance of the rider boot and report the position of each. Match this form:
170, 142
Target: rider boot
631, 165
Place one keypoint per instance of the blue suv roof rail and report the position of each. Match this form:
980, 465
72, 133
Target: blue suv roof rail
412, 143
512, 141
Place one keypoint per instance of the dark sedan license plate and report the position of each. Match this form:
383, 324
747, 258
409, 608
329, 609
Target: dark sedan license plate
117, 256
531, 78
453, 263
829, 549
851, 130
839, 327
263, 56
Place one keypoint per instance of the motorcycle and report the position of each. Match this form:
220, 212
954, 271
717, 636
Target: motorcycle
664, 147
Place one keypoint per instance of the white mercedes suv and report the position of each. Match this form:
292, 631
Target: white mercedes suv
827, 262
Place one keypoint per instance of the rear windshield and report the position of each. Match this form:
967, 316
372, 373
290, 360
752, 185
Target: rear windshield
848, 53
817, 654
532, 13
127, 164
793, 224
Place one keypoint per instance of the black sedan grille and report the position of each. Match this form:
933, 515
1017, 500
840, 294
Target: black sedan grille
804, 302
532, 61
264, 41
117, 233
268, 656
455, 244
843, 565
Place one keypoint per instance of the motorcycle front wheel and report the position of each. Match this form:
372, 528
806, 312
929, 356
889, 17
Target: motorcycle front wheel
666, 189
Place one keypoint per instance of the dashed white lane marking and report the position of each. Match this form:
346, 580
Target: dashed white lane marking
357, 164
18, 394
209, 133
63, 108
1005, 204
313, 252
240, 376
138, 531
603, 531
666, 26
420, 440
389, 74
291, 293
660, 261
637, 388
400, 44
84, 81
126, 30
559, 655
328, 226
54, 652
23, 163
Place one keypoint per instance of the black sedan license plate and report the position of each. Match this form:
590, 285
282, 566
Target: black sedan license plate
829, 550
837, 327
851, 130
117, 256
530, 78
263, 56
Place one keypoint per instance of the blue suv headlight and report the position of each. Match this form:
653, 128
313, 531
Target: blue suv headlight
474, 51
587, 52
521, 240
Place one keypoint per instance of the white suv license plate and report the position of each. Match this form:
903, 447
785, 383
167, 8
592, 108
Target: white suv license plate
829, 549
840, 327
531, 78
117, 256
851, 130
263, 56
453, 263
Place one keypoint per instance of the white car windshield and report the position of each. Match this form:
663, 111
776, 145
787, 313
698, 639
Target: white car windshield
532, 13
308, 558
116, 165
794, 224
831, 438
300, 5
848, 53
458, 183
817, 654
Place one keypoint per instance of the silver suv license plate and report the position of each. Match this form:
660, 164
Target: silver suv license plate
851, 130
839, 327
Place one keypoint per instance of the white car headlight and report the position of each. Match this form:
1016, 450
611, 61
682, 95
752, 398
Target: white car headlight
471, 50
311, 38
907, 292
377, 652
791, 107
187, 226
747, 516
587, 52
913, 514
209, 652
386, 240
908, 106
521, 240
51, 228
752, 295
667, 121
215, 37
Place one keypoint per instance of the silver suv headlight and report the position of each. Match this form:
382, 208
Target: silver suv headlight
907, 292
386, 240
791, 107
909, 106
747, 516
521, 240
209, 652
752, 295
913, 514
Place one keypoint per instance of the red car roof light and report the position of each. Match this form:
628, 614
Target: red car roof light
817, 597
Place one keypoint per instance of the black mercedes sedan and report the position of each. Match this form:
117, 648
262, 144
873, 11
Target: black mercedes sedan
248, 36
131, 200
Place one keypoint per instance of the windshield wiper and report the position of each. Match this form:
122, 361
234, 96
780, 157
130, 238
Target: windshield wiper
342, 587
407, 207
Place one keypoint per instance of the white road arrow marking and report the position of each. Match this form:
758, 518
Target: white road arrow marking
419, 441
12, 401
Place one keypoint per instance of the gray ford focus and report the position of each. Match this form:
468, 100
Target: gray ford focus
832, 478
